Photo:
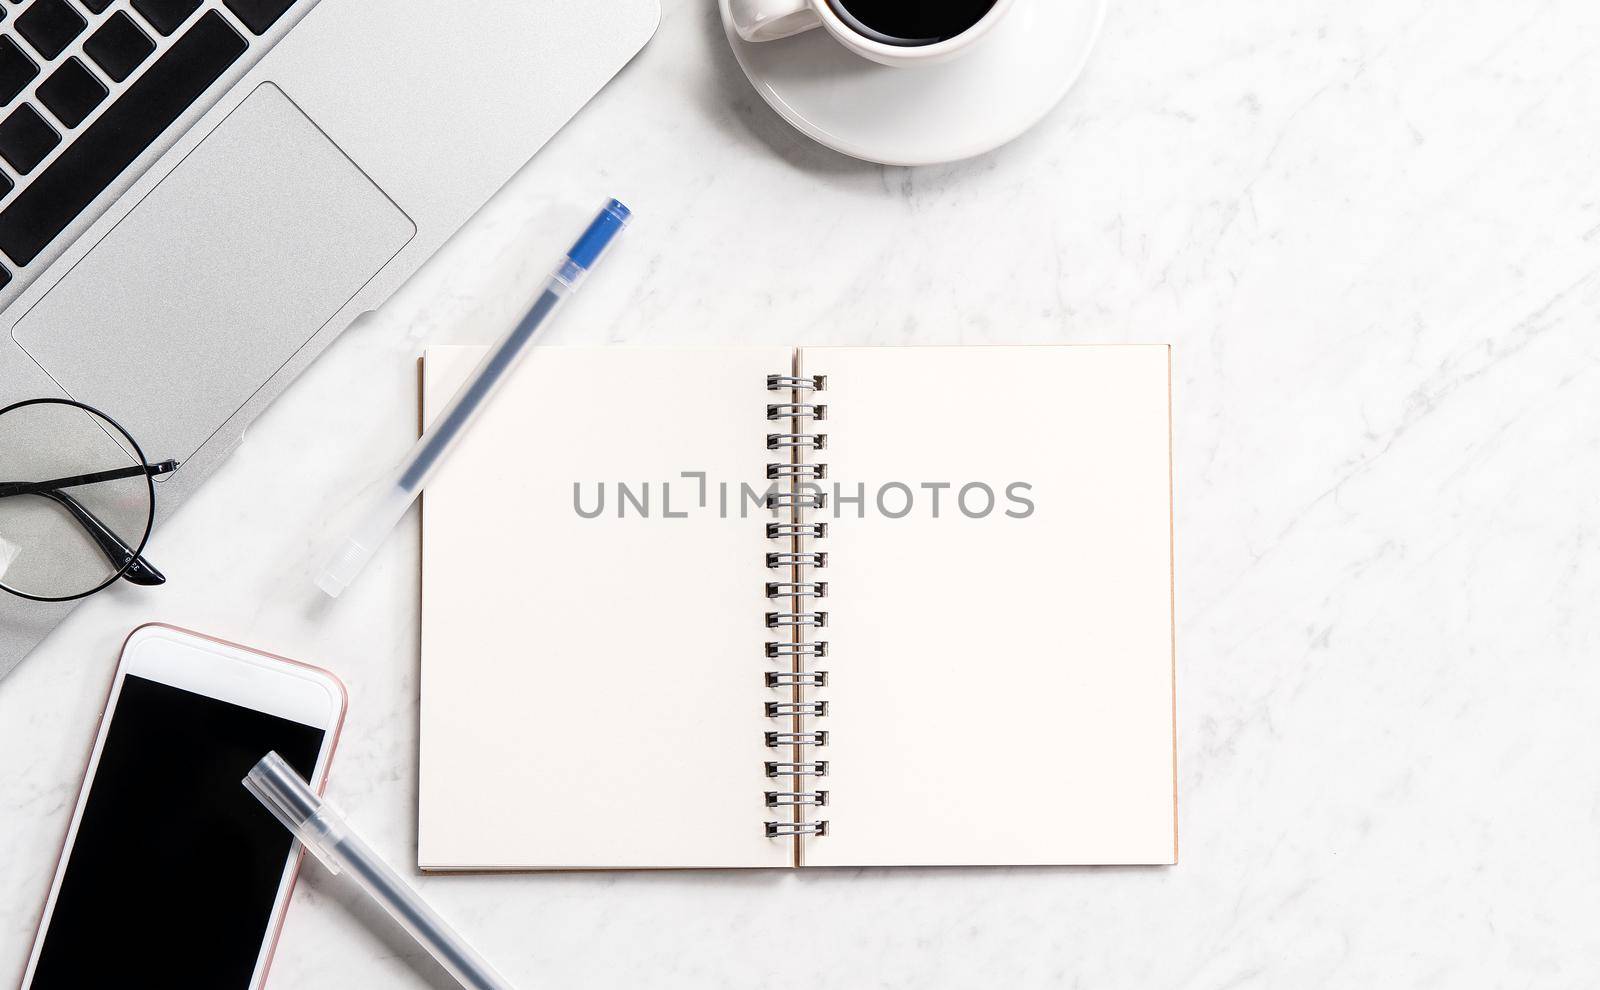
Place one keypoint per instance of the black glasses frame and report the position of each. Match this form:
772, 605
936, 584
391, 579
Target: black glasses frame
133, 567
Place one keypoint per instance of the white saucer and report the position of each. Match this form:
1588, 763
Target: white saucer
923, 115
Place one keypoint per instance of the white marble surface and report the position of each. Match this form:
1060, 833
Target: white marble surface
1372, 230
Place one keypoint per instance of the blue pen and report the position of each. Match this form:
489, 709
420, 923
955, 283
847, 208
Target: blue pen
430, 450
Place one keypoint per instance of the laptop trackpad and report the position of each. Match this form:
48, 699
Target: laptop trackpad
236, 259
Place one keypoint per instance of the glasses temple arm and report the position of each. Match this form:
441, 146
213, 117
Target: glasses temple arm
140, 571
9, 489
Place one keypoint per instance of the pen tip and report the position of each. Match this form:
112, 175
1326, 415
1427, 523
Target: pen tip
342, 568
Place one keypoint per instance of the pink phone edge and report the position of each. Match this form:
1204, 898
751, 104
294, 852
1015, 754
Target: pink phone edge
275, 927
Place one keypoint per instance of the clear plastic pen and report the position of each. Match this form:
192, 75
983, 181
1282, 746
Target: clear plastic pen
321, 829
413, 473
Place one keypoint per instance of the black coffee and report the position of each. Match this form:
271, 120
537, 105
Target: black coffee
910, 22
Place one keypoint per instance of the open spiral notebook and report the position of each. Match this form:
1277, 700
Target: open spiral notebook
819, 606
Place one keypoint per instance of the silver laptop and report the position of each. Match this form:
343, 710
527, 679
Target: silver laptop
198, 195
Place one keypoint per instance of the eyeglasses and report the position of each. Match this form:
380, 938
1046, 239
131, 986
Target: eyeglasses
77, 502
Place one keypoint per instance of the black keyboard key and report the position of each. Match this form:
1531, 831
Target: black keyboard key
49, 26
16, 69
96, 6
5, 277
118, 46
110, 144
71, 93
258, 15
6, 184
25, 139
166, 16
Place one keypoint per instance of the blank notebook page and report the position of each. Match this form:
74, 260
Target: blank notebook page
591, 692
1000, 689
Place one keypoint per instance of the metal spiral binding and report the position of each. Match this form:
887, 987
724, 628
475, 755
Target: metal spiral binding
776, 619
780, 799
797, 500
797, 589
799, 709
778, 768
776, 560
789, 591
776, 739
815, 472
796, 410
812, 441
797, 649
777, 830
803, 678
777, 531
777, 383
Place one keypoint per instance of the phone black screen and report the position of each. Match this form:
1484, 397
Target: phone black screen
171, 879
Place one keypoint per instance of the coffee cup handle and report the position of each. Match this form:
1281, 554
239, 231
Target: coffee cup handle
769, 20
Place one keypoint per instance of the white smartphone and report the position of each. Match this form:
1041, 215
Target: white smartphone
172, 874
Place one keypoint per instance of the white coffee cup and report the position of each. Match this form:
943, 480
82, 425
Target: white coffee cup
769, 20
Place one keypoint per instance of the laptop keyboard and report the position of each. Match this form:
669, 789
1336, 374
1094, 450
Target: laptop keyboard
86, 86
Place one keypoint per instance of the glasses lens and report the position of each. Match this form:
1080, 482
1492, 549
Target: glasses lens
69, 540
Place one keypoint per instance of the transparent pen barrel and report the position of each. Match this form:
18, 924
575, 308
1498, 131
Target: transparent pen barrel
324, 834
436, 442
481, 386
403, 904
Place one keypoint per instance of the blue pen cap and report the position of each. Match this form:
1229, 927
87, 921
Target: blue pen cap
600, 234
